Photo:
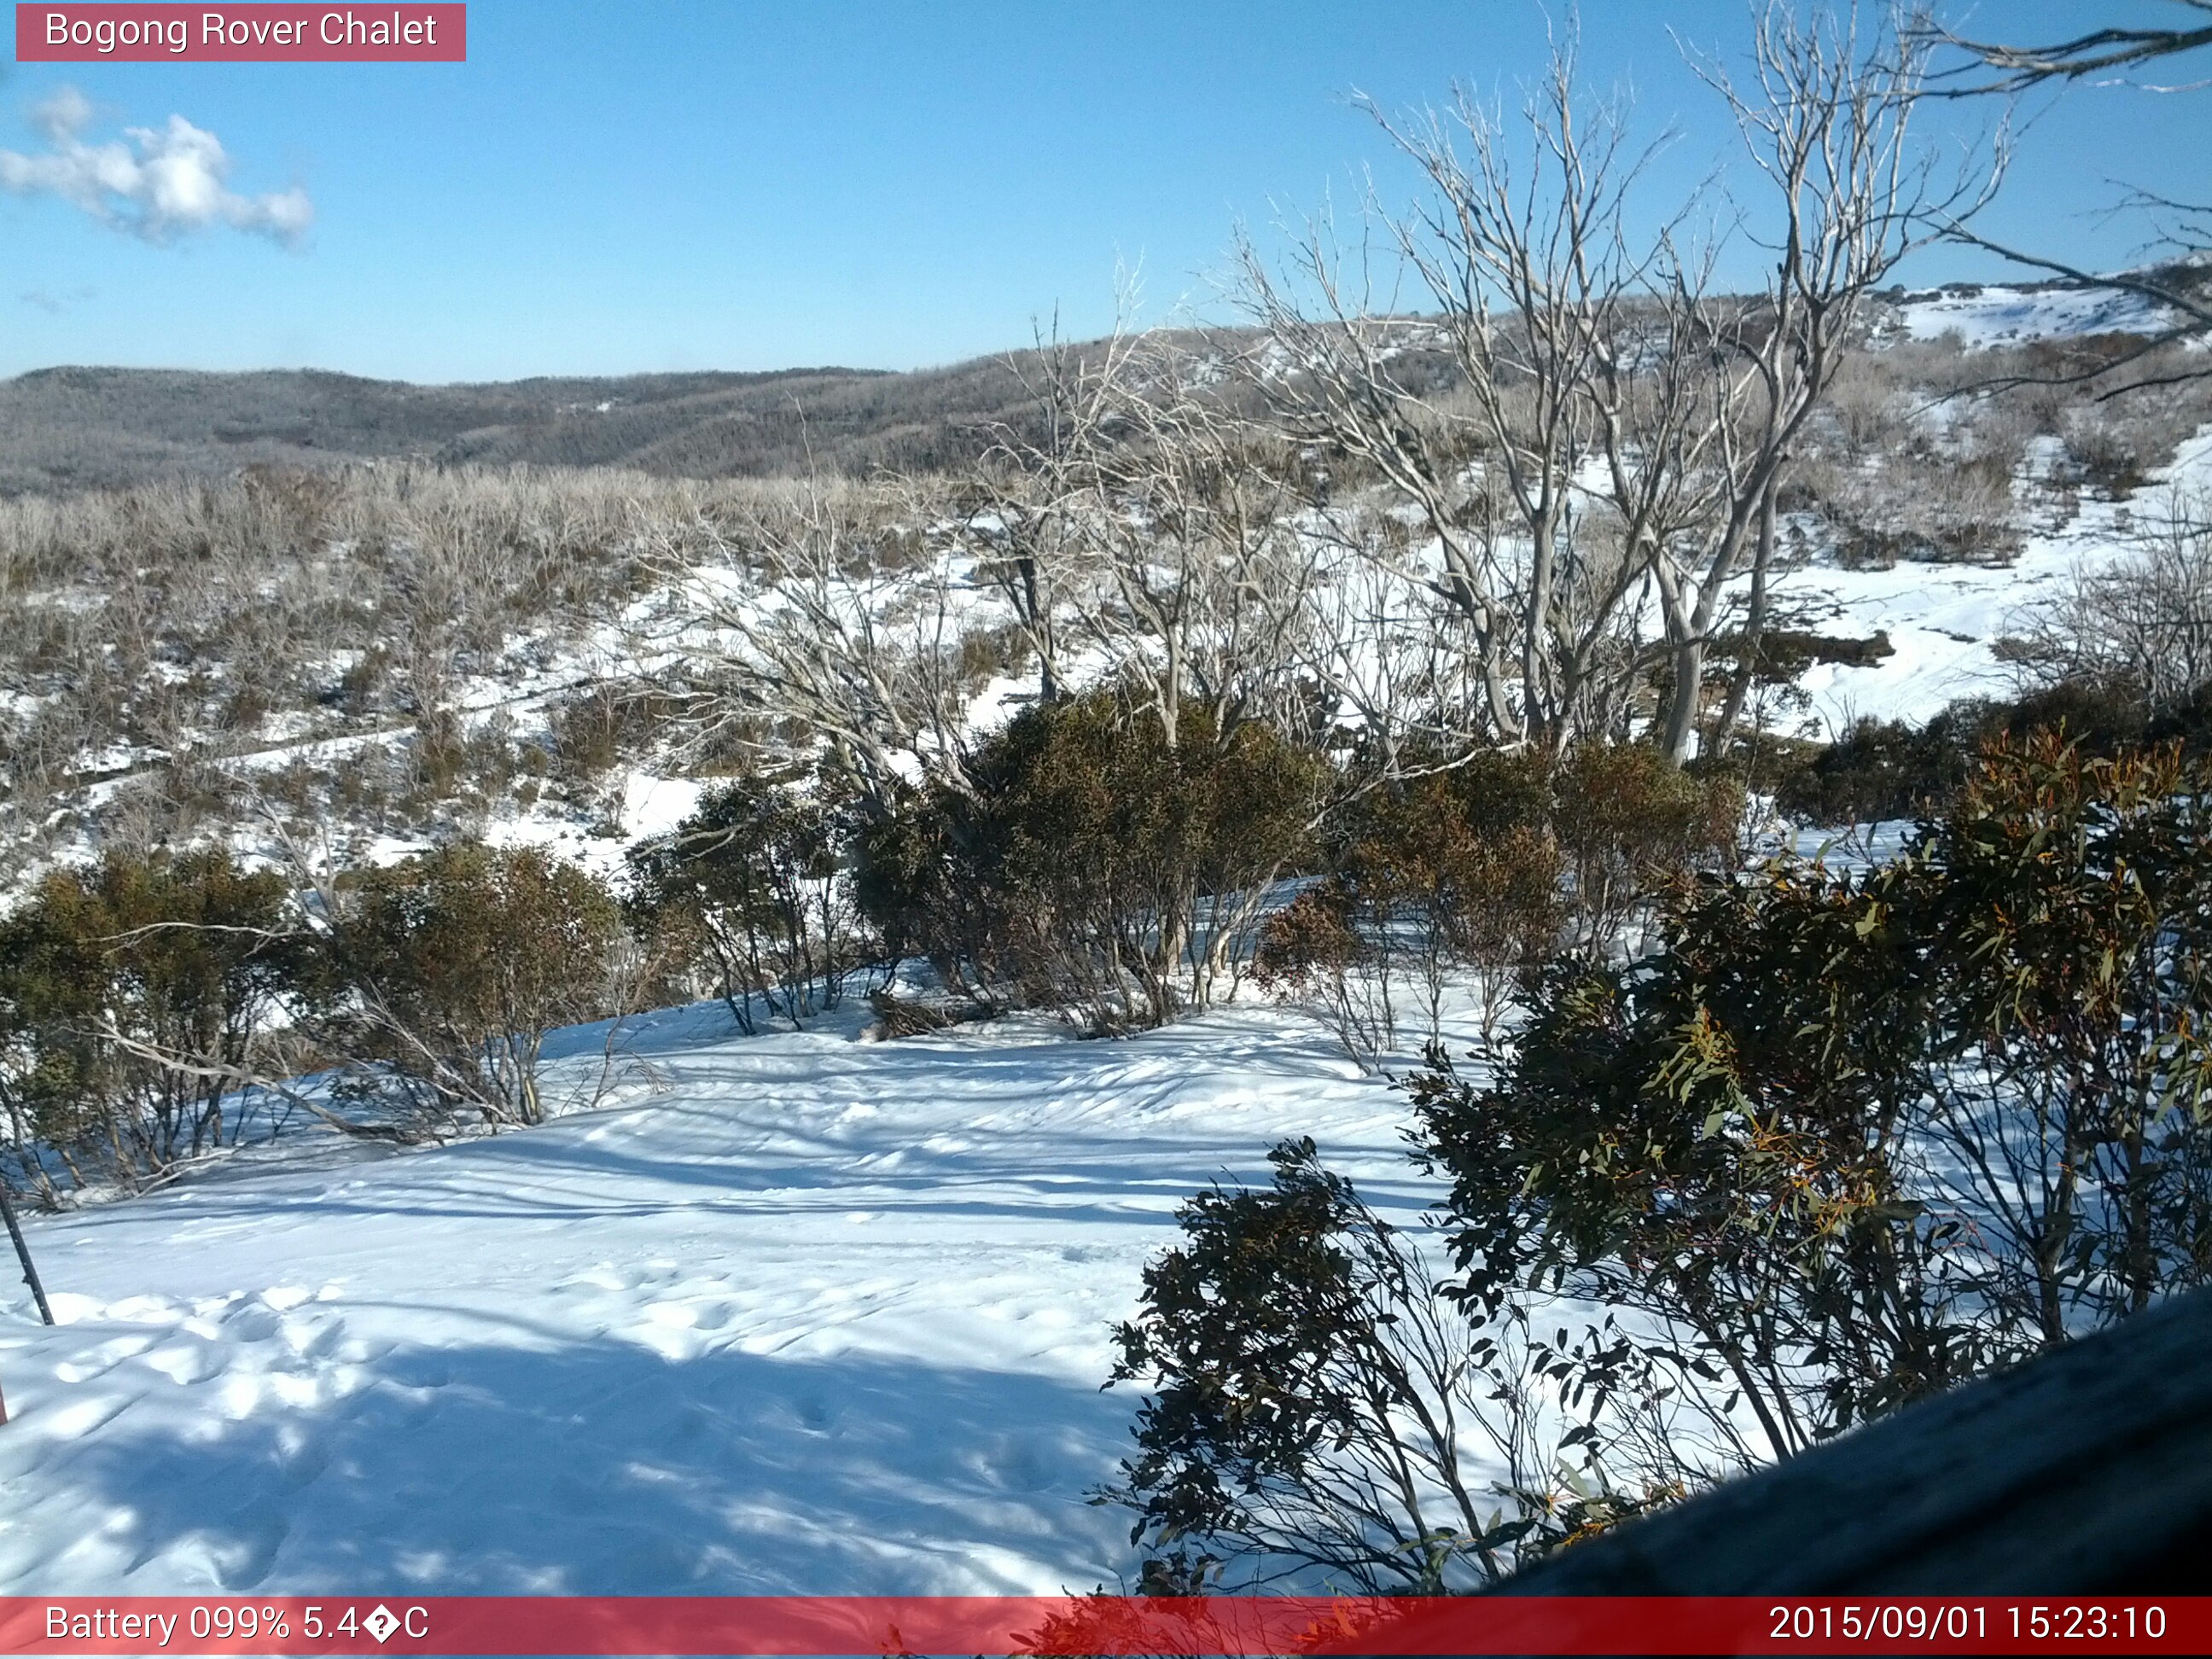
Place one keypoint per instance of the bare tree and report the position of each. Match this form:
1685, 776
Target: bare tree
819, 624
1826, 115
1988, 68
1202, 569
2016, 68
1028, 545
1522, 245
1611, 426
2144, 621
1390, 664
1141, 523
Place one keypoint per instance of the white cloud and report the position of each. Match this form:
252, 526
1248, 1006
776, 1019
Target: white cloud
158, 183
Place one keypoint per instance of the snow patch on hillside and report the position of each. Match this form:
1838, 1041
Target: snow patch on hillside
1996, 314
1944, 620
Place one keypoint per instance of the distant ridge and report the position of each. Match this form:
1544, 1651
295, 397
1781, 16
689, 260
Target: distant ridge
72, 427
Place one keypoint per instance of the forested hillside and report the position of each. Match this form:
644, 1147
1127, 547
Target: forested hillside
67, 428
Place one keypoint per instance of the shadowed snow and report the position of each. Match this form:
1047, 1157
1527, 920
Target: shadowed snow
818, 1316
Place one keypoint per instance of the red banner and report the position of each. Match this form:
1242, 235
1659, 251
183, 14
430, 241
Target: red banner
327, 34
1208, 1625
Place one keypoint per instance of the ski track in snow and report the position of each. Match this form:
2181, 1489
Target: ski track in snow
816, 1316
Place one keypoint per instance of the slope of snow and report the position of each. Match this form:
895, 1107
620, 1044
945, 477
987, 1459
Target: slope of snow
805, 1313
1996, 314
1945, 619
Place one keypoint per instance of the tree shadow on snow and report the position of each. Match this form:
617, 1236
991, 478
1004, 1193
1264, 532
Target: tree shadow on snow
601, 1467
556, 1173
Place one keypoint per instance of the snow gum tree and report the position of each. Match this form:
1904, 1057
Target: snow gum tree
1521, 246
1581, 423
1845, 191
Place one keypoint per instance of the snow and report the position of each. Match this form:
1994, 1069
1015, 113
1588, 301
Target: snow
800, 1313
803, 1313
1944, 620
2005, 315
648, 806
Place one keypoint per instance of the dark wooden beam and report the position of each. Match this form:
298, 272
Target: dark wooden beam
2087, 1471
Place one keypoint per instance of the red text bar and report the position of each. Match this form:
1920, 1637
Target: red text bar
1202, 1626
290, 34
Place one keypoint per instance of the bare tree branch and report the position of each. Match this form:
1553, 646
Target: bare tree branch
2020, 68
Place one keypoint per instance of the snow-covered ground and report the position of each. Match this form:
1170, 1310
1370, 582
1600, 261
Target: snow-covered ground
803, 1313
1997, 313
1944, 620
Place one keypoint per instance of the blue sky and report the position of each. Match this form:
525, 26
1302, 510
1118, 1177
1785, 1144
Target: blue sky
648, 185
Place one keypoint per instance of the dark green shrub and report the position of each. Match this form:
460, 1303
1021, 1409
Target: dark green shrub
1683, 1141
1837, 1141
131, 996
1089, 865
443, 975
1322, 953
1877, 770
1316, 1403
1449, 873
1887, 769
1630, 823
2062, 911
756, 880
1849, 1138
2187, 721
594, 732
1473, 871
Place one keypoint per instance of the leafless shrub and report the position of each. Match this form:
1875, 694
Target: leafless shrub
2143, 622
190, 623
803, 627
